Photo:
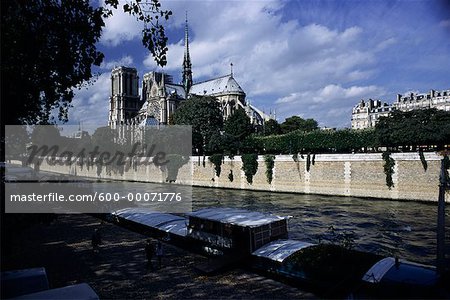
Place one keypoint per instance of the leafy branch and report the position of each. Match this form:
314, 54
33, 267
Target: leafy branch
153, 34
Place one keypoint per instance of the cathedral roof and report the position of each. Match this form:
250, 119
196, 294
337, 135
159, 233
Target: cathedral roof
149, 121
175, 88
224, 84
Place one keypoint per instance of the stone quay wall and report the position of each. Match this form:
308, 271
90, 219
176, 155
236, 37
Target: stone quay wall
358, 175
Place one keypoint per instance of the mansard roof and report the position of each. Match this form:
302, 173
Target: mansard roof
224, 84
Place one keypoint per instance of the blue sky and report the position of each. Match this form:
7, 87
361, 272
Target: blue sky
315, 59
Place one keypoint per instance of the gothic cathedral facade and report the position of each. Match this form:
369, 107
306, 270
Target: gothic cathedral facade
160, 96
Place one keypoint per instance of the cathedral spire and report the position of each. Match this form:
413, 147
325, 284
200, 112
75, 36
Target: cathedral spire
187, 66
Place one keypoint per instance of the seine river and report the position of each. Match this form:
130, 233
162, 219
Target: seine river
405, 229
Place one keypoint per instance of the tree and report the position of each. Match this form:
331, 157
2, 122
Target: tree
153, 34
104, 138
45, 136
49, 47
296, 123
16, 139
238, 124
414, 128
203, 114
272, 127
237, 128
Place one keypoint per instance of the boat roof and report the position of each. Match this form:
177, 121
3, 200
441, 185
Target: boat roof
165, 222
405, 272
77, 291
235, 216
279, 250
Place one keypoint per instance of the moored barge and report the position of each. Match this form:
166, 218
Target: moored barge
260, 241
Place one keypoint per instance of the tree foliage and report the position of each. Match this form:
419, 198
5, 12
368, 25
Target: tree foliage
272, 127
153, 33
345, 140
414, 128
45, 135
238, 125
236, 129
16, 139
203, 114
296, 123
49, 47
104, 138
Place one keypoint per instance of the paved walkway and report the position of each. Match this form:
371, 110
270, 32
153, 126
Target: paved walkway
119, 270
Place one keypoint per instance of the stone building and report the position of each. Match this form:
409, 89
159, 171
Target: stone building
160, 96
433, 99
124, 102
366, 114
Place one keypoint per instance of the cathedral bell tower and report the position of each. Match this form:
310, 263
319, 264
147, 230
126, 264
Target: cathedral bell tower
124, 102
187, 66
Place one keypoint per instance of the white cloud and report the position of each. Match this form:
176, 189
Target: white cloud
386, 43
272, 56
174, 58
330, 105
91, 104
120, 27
306, 66
124, 61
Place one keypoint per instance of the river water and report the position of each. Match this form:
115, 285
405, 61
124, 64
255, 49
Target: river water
386, 227
406, 229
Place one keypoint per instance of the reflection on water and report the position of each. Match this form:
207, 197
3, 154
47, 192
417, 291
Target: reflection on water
406, 229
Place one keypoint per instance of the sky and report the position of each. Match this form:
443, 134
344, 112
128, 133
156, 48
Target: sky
315, 59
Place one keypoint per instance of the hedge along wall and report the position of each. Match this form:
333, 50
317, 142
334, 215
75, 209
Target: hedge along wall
360, 175
318, 141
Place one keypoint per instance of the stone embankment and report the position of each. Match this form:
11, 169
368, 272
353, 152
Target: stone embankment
358, 175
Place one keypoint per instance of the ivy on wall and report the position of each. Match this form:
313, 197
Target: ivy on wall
308, 162
174, 163
230, 176
446, 161
270, 163
250, 166
423, 161
216, 159
389, 164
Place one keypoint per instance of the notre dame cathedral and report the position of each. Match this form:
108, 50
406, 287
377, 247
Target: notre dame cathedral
160, 96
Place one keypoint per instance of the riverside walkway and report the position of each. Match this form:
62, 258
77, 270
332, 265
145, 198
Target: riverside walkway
119, 270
